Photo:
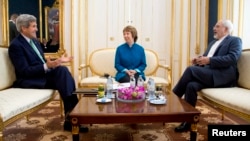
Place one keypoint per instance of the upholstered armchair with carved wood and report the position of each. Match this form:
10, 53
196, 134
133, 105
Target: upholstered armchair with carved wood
101, 62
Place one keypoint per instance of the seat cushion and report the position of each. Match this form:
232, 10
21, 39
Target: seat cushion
14, 101
94, 81
235, 98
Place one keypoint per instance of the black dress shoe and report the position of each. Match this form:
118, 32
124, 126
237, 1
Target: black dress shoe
183, 127
68, 127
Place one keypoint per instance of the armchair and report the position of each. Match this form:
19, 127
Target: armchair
101, 61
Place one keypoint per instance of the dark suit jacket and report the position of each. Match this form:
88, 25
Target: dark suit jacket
28, 66
12, 30
224, 62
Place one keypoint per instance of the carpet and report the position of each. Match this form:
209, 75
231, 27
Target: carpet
46, 125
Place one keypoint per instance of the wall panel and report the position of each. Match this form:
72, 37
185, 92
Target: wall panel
169, 27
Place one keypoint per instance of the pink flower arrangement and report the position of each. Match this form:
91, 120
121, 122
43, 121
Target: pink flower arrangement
130, 93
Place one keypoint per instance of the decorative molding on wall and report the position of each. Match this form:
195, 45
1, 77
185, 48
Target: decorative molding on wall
241, 15
197, 47
206, 5
4, 27
182, 31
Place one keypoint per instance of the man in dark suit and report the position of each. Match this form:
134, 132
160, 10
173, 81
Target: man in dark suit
216, 68
34, 71
12, 27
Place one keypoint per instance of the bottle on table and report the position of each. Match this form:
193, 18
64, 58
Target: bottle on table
151, 89
132, 81
109, 87
140, 81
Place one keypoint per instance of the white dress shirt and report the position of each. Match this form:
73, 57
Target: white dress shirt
214, 47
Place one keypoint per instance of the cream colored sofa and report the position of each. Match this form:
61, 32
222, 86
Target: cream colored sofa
102, 61
235, 99
16, 102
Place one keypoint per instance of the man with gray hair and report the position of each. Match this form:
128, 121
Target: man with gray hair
34, 71
217, 67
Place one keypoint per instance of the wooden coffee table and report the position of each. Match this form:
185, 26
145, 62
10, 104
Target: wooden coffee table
88, 111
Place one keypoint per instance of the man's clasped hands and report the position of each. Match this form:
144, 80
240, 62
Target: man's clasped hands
53, 63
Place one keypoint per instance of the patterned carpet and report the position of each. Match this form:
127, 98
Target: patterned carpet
46, 125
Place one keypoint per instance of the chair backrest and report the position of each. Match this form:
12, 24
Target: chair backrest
7, 72
152, 62
102, 61
244, 67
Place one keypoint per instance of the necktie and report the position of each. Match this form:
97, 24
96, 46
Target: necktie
36, 50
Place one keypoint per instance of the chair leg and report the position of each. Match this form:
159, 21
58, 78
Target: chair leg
61, 107
1, 130
1, 136
27, 117
79, 96
222, 114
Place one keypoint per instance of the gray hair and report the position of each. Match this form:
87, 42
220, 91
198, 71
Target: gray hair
229, 25
24, 20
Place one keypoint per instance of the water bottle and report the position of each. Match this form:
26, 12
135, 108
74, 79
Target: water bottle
140, 81
132, 81
109, 87
151, 89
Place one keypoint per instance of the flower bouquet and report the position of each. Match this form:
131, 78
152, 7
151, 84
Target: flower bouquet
130, 94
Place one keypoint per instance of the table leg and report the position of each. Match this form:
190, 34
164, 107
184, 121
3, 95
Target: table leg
193, 135
75, 129
193, 132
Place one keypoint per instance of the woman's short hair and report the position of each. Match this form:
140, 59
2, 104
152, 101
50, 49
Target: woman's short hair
24, 20
132, 30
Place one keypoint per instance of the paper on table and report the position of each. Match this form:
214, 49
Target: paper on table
120, 85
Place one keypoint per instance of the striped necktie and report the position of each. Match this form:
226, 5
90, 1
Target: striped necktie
36, 50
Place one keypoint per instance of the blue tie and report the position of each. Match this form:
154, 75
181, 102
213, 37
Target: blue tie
36, 50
